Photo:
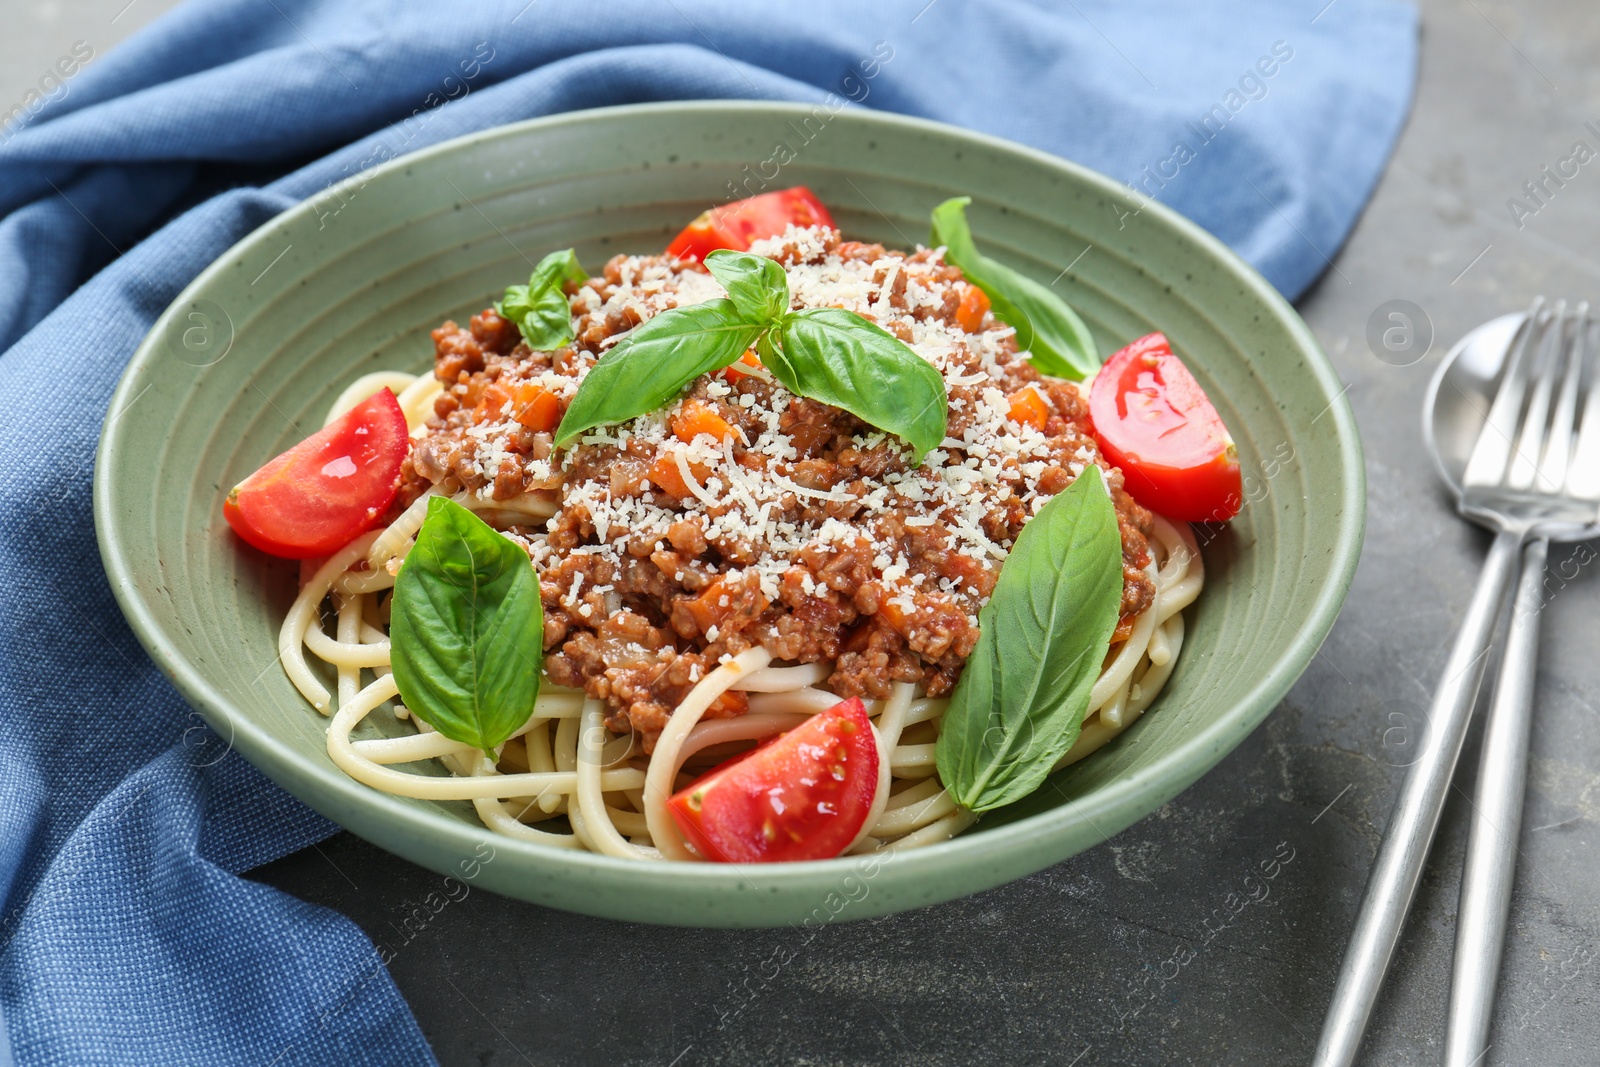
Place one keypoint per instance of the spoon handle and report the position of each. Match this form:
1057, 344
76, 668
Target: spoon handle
1400, 859
1496, 820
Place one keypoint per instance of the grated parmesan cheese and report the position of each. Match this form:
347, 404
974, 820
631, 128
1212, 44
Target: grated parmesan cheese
985, 465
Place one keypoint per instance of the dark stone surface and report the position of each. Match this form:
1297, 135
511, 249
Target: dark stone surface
1073, 962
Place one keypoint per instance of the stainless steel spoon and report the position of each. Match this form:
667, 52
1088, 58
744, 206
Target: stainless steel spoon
1462, 389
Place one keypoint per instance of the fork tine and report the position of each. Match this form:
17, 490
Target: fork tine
1583, 479
1492, 451
1542, 372
1552, 470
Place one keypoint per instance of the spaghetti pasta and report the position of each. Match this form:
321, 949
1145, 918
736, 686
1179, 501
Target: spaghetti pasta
753, 555
612, 796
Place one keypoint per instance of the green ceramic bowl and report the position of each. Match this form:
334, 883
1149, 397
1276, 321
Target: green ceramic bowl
247, 359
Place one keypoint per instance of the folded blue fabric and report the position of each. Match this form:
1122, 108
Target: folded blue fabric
127, 934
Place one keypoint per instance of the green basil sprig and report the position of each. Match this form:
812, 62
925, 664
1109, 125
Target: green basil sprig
826, 354
541, 309
1043, 637
757, 286
1056, 340
839, 358
466, 629
650, 367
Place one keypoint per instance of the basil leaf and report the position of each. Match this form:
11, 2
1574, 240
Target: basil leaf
1043, 638
839, 358
756, 285
541, 309
466, 629
1056, 340
652, 364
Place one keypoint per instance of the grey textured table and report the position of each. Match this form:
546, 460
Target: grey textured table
1134, 953
1073, 962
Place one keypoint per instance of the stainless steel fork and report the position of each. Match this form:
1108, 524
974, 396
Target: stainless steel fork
1490, 868
1534, 472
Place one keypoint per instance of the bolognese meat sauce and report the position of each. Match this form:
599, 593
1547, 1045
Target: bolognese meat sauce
744, 515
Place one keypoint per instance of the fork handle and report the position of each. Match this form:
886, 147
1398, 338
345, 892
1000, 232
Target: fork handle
1496, 822
1393, 882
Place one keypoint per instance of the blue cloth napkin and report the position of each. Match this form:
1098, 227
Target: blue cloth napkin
126, 932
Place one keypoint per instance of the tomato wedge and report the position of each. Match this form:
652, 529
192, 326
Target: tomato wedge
742, 222
804, 795
313, 499
1152, 419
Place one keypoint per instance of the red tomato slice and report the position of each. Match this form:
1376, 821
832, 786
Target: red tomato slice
742, 222
315, 498
1152, 419
804, 795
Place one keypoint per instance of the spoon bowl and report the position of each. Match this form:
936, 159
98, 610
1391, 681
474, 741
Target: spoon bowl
1457, 405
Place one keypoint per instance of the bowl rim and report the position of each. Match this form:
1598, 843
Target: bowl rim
324, 787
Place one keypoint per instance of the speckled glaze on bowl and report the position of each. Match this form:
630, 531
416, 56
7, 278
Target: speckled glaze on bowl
247, 359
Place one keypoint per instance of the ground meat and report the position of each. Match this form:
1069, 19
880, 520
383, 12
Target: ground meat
494, 333
456, 352
812, 534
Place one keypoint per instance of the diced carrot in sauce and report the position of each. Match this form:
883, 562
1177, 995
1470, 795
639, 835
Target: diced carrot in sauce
666, 476
494, 401
708, 609
1029, 407
733, 373
536, 407
894, 615
700, 418
973, 307
1124, 628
